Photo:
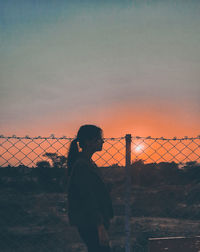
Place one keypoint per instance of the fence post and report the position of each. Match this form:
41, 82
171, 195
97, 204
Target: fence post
127, 192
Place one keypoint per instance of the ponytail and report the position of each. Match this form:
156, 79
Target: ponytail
72, 155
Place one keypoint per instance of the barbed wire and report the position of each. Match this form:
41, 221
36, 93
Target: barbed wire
52, 136
164, 138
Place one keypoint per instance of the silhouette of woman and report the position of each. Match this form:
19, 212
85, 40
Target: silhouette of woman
89, 202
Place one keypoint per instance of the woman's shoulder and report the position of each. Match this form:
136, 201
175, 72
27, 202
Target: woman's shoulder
81, 164
81, 161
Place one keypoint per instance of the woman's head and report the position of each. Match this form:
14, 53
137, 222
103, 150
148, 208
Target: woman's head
89, 138
88, 135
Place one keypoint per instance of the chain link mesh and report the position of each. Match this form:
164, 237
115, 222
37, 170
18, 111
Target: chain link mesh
30, 150
179, 150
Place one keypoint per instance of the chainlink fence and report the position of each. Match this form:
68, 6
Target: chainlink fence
28, 151
154, 184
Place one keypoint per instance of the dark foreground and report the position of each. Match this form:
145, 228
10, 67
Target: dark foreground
38, 222
33, 208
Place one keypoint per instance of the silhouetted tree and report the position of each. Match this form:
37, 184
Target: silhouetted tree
57, 161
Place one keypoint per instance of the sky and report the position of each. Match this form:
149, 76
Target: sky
126, 66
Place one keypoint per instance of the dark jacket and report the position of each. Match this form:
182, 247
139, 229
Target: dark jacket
89, 201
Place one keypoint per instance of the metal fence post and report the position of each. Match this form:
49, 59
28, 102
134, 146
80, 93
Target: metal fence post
127, 192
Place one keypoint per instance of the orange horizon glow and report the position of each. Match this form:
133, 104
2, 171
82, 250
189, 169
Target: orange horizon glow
117, 121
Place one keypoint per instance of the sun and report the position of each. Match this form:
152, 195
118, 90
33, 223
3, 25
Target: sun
139, 148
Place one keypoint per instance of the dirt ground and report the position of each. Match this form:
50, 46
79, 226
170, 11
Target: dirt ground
38, 221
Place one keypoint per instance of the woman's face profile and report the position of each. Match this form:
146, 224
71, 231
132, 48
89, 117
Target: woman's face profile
96, 144
99, 143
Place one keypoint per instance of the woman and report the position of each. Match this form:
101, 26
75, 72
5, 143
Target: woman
89, 203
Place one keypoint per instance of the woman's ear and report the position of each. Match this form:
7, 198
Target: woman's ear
87, 143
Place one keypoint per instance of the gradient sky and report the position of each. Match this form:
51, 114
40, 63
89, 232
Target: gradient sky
127, 66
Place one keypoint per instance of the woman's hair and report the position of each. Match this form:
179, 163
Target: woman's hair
85, 132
